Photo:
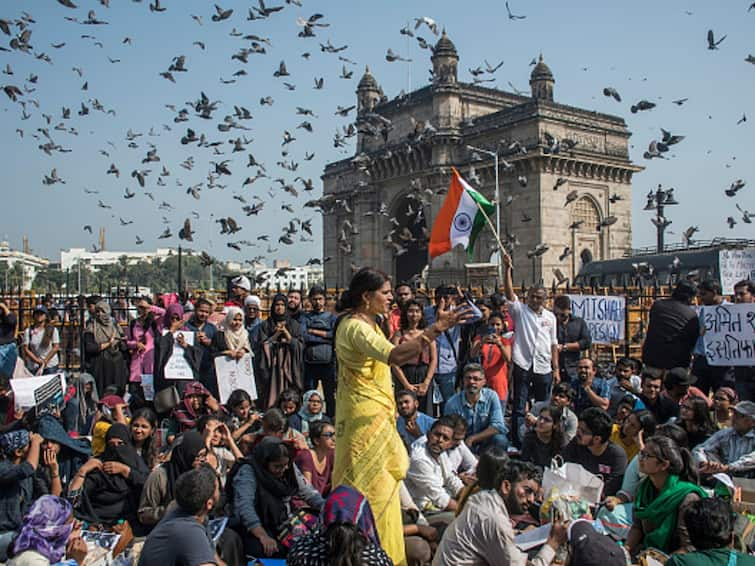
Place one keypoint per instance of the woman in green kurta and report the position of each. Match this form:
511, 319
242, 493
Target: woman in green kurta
663, 497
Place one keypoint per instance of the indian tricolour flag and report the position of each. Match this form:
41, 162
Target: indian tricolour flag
460, 219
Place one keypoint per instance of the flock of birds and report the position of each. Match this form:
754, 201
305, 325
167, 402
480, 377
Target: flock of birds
216, 132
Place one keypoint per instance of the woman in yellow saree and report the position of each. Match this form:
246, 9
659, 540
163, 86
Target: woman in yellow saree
370, 455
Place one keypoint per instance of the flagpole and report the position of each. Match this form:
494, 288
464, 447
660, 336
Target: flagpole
497, 229
501, 249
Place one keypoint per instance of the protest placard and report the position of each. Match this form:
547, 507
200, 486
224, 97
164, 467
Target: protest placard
729, 334
148, 386
178, 367
41, 392
604, 315
235, 374
735, 266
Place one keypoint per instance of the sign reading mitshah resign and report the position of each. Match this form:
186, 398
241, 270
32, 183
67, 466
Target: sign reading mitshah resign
729, 337
604, 315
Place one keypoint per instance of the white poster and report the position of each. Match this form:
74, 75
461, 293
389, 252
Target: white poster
604, 315
148, 386
235, 374
729, 334
734, 266
178, 367
27, 390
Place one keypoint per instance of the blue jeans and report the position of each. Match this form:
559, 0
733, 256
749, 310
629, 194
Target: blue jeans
528, 385
8, 357
499, 441
447, 384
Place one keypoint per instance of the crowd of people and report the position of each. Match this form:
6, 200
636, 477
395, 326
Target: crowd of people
381, 430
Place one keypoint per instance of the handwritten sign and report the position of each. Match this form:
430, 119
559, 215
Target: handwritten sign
40, 392
604, 316
235, 374
178, 366
734, 266
729, 337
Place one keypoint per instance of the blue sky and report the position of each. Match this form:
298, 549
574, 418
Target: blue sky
656, 51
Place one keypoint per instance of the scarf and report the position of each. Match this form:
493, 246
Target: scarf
273, 493
238, 339
87, 402
347, 505
13, 440
185, 413
304, 411
661, 509
46, 528
280, 297
107, 498
182, 458
102, 325
170, 311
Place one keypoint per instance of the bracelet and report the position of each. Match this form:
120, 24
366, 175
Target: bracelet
53, 476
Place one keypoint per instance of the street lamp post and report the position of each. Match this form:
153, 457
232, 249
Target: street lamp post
494, 155
657, 201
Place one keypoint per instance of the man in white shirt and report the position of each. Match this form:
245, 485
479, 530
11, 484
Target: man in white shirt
461, 460
535, 351
430, 481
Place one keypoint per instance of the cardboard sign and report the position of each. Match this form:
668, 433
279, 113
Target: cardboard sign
44, 392
604, 315
729, 334
235, 374
734, 266
178, 367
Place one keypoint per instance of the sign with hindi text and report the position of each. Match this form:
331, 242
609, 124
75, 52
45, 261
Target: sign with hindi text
729, 334
734, 266
178, 366
235, 374
604, 315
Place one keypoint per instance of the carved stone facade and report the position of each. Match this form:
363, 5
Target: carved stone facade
379, 205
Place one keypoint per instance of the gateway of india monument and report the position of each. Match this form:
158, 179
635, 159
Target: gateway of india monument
379, 205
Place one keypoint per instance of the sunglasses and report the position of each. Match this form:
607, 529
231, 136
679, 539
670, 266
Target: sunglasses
327, 435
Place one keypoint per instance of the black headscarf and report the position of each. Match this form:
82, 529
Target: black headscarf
182, 458
272, 493
106, 498
278, 317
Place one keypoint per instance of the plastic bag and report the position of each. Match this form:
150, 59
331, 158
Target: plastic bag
572, 479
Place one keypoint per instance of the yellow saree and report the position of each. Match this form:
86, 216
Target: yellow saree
369, 453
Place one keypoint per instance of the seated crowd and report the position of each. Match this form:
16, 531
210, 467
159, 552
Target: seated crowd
484, 412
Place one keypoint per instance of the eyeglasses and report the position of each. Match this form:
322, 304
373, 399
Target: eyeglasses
646, 456
327, 435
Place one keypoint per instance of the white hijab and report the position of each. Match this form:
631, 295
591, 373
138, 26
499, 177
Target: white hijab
240, 338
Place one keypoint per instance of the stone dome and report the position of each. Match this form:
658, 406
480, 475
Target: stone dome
367, 81
541, 71
445, 46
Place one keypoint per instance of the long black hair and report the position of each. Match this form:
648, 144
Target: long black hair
149, 448
367, 279
405, 319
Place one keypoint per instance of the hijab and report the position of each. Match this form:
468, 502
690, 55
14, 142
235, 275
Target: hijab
182, 458
304, 411
272, 493
185, 414
111, 497
280, 297
347, 505
46, 528
102, 325
238, 339
171, 311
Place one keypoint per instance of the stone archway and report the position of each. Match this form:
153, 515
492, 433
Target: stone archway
587, 241
410, 239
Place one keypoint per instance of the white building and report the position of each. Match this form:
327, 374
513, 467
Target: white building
284, 276
28, 261
69, 259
